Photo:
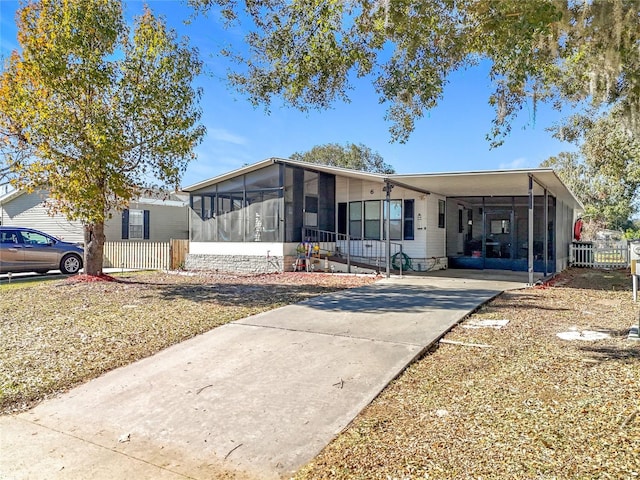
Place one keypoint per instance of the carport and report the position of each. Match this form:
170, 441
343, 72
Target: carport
517, 220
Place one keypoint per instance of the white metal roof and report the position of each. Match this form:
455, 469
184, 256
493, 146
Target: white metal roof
492, 183
451, 184
344, 172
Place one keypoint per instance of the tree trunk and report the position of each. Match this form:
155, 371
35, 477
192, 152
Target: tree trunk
93, 248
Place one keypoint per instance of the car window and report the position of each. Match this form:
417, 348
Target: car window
8, 236
33, 238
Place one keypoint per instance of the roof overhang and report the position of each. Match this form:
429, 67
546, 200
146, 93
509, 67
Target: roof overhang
6, 198
342, 172
496, 183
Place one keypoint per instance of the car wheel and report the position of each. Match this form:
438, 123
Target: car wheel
70, 264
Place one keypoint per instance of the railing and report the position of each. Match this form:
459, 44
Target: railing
589, 255
138, 255
369, 252
330, 244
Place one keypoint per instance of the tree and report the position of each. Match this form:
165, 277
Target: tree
96, 113
356, 157
566, 51
605, 174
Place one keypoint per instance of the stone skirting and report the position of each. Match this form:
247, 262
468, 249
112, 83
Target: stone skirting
235, 263
278, 264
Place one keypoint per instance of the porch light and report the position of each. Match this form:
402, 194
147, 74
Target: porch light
419, 221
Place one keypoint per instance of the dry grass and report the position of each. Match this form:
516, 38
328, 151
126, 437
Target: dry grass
57, 334
532, 406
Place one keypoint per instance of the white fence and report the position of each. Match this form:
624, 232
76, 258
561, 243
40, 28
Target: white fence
142, 255
594, 256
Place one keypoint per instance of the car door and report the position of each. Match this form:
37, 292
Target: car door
39, 251
11, 251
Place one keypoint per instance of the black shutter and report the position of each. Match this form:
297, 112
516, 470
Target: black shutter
146, 224
408, 220
342, 218
125, 224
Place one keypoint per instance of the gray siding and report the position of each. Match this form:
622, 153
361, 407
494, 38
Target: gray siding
165, 223
30, 210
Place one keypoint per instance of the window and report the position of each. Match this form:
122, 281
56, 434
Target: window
196, 205
9, 236
135, 224
441, 213
33, 238
209, 210
395, 219
372, 220
355, 219
311, 211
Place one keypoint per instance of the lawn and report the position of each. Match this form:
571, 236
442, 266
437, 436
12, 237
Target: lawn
57, 334
531, 406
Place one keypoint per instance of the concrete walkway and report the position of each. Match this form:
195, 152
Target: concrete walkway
257, 398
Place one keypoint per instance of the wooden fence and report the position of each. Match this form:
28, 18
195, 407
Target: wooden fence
178, 251
593, 256
146, 255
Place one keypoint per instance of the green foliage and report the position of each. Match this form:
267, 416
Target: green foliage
565, 51
632, 233
605, 174
356, 157
93, 112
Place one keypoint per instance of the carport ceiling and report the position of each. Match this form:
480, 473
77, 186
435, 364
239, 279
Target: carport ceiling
491, 183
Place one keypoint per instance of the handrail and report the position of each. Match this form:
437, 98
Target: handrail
367, 251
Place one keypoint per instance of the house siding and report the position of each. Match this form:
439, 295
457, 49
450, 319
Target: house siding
436, 237
30, 210
165, 223
426, 250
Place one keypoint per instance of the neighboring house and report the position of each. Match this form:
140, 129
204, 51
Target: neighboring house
155, 219
255, 219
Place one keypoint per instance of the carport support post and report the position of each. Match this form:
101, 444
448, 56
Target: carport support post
546, 232
530, 232
387, 223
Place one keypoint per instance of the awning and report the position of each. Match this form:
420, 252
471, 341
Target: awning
496, 183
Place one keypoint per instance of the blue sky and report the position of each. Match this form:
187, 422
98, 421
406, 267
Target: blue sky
449, 138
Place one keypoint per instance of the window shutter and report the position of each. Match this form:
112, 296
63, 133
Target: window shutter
408, 220
146, 224
125, 224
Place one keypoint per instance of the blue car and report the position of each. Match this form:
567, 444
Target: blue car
28, 250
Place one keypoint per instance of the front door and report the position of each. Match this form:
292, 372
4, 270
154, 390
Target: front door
497, 241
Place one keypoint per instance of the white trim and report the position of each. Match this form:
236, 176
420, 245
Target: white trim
237, 248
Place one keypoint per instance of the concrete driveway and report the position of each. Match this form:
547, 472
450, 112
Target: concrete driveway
256, 398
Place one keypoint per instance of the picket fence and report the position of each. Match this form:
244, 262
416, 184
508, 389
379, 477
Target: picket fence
146, 255
591, 255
